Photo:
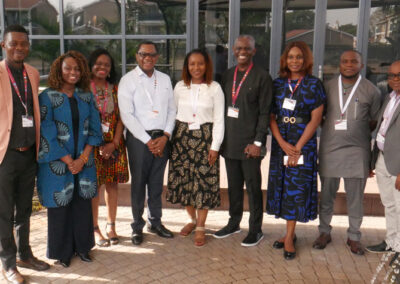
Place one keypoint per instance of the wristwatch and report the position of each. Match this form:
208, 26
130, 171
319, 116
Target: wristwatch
257, 143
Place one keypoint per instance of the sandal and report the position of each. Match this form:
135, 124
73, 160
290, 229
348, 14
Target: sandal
113, 240
101, 242
200, 236
188, 229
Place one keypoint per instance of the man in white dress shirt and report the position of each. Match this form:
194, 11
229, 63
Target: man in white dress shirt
148, 112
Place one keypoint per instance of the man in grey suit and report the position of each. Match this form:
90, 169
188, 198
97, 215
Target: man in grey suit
386, 161
345, 146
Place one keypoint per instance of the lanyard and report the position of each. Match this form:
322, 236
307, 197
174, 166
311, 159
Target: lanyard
295, 88
104, 108
195, 99
235, 92
392, 103
343, 109
146, 91
16, 87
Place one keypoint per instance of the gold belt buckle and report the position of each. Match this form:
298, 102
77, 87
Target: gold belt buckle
292, 120
286, 119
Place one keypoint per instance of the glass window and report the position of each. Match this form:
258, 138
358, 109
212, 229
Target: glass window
214, 32
340, 34
41, 56
172, 55
298, 18
255, 20
384, 41
87, 46
92, 17
157, 17
38, 17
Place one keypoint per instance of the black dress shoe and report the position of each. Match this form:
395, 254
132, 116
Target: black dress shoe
161, 231
289, 255
279, 245
137, 238
64, 263
84, 256
380, 248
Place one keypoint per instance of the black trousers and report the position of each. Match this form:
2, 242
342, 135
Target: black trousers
70, 228
239, 172
17, 180
146, 170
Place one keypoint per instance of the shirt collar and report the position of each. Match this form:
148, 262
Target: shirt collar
142, 74
394, 95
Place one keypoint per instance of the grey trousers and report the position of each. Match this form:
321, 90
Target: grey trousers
390, 197
354, 188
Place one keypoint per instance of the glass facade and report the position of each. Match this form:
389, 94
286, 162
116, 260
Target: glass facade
384, 41
328, 27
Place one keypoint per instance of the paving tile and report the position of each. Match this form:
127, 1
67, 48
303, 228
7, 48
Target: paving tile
177, 260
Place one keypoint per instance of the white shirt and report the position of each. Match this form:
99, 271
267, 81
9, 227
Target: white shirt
146, 109
209, 107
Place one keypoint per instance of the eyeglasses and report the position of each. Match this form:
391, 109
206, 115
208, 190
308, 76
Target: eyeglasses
292, 57
144, 54
392, 76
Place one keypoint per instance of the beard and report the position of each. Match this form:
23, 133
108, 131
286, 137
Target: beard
350, 77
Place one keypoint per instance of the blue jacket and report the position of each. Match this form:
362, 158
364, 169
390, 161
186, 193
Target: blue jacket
55, 182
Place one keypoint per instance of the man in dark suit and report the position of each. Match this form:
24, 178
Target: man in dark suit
19, 144
386, 161
248, 94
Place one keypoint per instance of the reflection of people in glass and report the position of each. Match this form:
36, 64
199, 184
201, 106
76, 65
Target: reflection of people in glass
67, 174
111, 161
220, 62
296, 113
345, 146
193, 178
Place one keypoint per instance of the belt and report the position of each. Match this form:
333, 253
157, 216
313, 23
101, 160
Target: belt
155, 133
293, 119
22, 149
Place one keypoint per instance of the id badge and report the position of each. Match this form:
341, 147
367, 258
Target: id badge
27, 121
105, 127
194, 126
299, 162
380, 138
233, 112
289, 104
341, 124
153, 114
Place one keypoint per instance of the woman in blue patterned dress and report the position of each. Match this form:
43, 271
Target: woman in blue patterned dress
296, 113
70, 127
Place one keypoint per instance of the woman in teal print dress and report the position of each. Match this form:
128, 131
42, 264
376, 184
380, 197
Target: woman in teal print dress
298, 103
70, 127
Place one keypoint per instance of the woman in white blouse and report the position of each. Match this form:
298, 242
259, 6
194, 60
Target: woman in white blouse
193, 178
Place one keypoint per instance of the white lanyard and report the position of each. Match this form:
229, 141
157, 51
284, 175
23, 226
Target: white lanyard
145, 89
343, 109
195, 99
392, 103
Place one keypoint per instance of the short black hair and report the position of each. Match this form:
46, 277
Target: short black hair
147, 42
113, 79
352, 50
15, 29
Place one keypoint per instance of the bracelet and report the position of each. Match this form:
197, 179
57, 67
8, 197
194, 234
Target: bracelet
83, 158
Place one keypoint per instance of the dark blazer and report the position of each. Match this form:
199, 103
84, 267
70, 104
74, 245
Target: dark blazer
392, 141
254, 103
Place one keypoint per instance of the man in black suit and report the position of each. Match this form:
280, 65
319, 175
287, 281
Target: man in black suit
248, 94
